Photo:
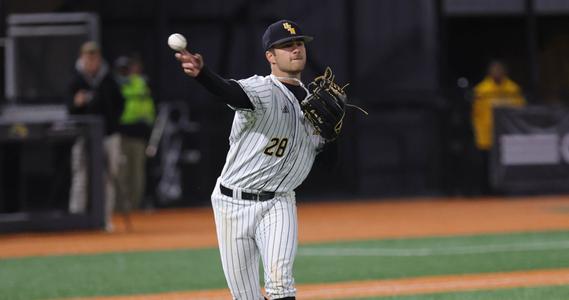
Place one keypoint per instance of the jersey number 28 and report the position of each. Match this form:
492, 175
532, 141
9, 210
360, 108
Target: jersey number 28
276, 147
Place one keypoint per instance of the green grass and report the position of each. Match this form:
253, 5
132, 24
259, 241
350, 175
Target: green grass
539, 293
153, 272
339, 268
109, 274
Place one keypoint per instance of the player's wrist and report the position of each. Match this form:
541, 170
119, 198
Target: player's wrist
202, 73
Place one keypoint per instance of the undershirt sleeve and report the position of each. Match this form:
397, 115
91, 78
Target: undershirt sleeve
228, 91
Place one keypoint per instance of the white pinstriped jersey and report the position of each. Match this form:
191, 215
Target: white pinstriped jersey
272, 147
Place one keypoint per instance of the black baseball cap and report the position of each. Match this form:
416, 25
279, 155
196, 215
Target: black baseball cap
281, 32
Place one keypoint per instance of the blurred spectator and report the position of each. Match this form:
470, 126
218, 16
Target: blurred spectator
94, 91
495, 90
135, 127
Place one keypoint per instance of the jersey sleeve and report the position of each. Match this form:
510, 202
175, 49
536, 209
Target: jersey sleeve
258, 89
320, 143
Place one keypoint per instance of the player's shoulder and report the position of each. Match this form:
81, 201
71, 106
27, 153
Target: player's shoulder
256, 81
511, 85
484, 85
259, 90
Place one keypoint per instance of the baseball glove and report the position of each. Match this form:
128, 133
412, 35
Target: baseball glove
325, 108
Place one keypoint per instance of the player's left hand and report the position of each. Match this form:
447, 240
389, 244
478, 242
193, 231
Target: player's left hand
325, 108
191, 63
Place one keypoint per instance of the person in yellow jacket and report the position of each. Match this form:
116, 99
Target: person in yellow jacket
135, 126
496, 90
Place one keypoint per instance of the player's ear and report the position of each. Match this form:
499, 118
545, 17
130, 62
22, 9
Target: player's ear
270, 55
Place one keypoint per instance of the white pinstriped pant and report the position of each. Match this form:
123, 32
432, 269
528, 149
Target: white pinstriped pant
248, 230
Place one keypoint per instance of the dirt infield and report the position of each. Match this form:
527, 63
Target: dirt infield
376, 288
318, 222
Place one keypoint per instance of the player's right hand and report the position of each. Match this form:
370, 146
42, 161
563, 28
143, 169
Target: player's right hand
81, 98
191, 63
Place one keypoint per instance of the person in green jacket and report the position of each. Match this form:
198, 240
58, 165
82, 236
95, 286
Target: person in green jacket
135, 126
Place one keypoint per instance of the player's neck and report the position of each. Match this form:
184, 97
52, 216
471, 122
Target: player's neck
290, 78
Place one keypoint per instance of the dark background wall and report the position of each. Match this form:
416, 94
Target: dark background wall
401, 57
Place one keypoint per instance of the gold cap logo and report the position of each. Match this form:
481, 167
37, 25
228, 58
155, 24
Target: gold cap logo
288, 27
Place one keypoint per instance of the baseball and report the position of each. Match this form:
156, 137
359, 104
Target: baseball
177, 42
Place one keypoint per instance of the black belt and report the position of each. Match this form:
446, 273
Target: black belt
262, 196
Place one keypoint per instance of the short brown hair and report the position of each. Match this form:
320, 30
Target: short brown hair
90, 47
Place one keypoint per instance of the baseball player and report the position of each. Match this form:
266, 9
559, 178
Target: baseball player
272, 148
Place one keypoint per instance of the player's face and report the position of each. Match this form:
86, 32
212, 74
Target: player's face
289, 57
91, 63
497, 71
